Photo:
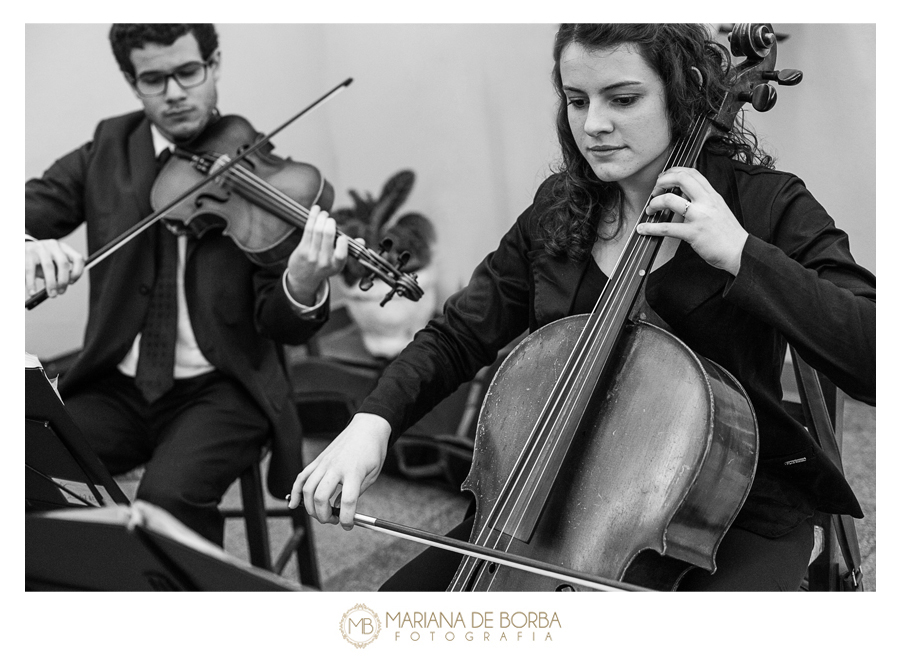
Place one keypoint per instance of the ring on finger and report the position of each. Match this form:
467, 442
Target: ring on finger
687, 204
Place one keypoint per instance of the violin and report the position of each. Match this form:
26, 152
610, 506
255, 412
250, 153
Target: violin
239, 201
265, 242
606, 448
262, 203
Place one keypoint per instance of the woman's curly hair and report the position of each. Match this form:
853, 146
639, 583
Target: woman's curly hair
571, 226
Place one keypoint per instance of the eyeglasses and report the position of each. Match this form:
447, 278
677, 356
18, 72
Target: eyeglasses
154, 83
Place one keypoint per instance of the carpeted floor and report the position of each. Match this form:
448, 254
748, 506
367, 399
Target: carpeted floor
361, 559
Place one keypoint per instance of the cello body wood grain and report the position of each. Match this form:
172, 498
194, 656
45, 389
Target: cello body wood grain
645, 497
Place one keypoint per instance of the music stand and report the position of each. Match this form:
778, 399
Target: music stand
132, 548
61, 469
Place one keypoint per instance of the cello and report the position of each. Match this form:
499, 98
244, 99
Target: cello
629, 458
605, 445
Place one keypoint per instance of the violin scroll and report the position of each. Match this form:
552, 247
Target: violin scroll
404, 283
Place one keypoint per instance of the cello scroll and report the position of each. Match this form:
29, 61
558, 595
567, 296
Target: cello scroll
757, 43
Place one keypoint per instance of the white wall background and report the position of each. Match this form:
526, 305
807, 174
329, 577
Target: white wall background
468, 107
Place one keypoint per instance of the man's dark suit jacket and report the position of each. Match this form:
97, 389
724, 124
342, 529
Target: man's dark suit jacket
239, 311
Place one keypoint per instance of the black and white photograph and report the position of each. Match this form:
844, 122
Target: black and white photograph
377, 312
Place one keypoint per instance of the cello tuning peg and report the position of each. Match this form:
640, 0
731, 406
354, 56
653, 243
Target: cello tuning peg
402, 260
786, 77
762, 98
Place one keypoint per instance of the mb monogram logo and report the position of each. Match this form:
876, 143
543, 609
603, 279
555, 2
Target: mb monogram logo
360, 626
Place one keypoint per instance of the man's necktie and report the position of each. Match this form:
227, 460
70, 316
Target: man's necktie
156, 359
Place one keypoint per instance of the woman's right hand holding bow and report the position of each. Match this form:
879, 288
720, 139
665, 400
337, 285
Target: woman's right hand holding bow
349, 465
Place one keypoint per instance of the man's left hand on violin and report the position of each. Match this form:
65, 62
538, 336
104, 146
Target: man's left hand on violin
703, 218
317, 257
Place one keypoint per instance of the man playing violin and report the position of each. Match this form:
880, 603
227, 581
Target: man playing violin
195, 419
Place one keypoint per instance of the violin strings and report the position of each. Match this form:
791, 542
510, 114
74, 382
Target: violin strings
265, 193
597, 324
261, 189
253, 185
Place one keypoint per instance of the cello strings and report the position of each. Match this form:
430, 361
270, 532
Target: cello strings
580, 351
636, 254
611, 305
604, 312
604, 317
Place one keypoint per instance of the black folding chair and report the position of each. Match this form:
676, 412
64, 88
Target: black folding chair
835, 564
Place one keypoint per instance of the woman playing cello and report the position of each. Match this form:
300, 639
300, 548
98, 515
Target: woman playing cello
750, 262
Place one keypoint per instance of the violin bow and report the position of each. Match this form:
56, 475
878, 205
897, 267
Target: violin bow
111, 247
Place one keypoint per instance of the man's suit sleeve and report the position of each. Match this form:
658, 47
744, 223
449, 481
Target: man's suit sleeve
54, 203
276, 315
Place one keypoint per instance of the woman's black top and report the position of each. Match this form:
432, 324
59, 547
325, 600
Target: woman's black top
797, 283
